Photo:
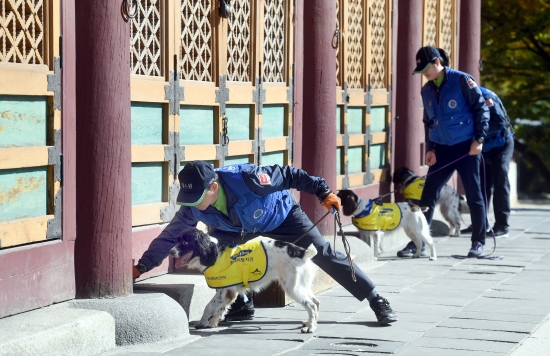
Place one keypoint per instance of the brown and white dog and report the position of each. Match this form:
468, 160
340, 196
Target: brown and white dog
286, 263
412, 222
450, 203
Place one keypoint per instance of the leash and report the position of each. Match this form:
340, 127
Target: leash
489, 256
344, 240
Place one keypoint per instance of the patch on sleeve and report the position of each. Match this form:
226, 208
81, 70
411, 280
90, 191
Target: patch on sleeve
471, 83
489, 103
265, 179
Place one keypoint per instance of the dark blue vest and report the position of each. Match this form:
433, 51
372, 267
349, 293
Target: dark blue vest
256, 213
452, 120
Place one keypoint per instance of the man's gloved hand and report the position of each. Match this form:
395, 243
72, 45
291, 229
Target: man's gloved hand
138, 270
330, 201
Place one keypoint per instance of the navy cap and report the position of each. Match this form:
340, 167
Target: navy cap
195, 179
424, 57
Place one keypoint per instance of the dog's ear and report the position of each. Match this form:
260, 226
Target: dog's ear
208, 249
349, 201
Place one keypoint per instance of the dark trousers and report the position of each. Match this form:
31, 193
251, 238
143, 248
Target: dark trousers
497, 165
468, 168
334, 263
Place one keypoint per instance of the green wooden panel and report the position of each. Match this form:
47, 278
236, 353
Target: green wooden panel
23, 120
238, 122
197, 125
272, 158
273, 121
146, 123
146, 183
236, 159
355, 159
339, 168
377, 156
378, 119
23, 193
339, 128
355, 120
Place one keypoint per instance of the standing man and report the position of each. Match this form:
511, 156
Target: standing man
242, 201
497, 154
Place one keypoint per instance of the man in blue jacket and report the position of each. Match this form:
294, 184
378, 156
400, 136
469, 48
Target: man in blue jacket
242, 201
497, 154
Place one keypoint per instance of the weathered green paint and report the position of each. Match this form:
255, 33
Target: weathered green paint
355, 120
272, 158
273, 121
146, 124
355, 159
238, 122
23, 120
378, 119
339, 169
146, 183
197, 125
339, 128
236, 159
23, 193
377, 156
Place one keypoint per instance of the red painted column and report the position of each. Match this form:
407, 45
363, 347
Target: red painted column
409, 129
103, 245
470, 37
297, 115
319, 109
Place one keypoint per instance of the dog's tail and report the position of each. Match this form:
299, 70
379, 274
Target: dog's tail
310, 252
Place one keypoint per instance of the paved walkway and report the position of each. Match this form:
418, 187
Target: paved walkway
447, 307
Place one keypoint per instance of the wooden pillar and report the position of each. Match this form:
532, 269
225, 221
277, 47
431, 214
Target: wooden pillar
319, 110
297, 115
409, 129
470, 37
103, 245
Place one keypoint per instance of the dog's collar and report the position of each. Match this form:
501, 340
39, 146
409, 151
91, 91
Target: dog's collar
409, 180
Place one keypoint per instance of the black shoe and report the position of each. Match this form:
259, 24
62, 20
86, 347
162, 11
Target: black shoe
467, 230
239, 310
476, 250
382, 309
410, 250
499, 232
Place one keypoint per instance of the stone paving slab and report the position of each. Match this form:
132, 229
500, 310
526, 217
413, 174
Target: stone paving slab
431, 351
505, 317
350, 345
498, 305
522, 328
462, 344
472, 334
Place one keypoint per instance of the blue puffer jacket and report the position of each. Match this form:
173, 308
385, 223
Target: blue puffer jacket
455, 111
499, 123
251, 191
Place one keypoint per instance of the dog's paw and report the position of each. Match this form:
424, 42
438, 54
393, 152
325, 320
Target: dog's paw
307, 329
433, 258
200, 325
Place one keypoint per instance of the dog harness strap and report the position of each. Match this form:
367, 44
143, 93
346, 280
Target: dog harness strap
240, 264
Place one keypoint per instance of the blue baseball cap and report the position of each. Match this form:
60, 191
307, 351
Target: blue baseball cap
424, 57
195, 178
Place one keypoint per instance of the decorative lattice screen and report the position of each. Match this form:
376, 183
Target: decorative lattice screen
196, 40
22, 31
238, 42
430, 33
355, 44
379, 43
145, 39
274, 41
338, 48
447, 27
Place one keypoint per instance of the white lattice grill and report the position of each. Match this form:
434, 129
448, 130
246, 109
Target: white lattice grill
22, 31
430, 33
274, 41
447, 27
145, 39
196, 40
238, 42
379, 45
338, 47
355, 44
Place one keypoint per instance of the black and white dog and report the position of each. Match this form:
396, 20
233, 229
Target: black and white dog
287, 263
412, 221
449, 200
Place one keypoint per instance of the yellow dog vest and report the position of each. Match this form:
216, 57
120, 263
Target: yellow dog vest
382, 217
414, 190
238, 265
